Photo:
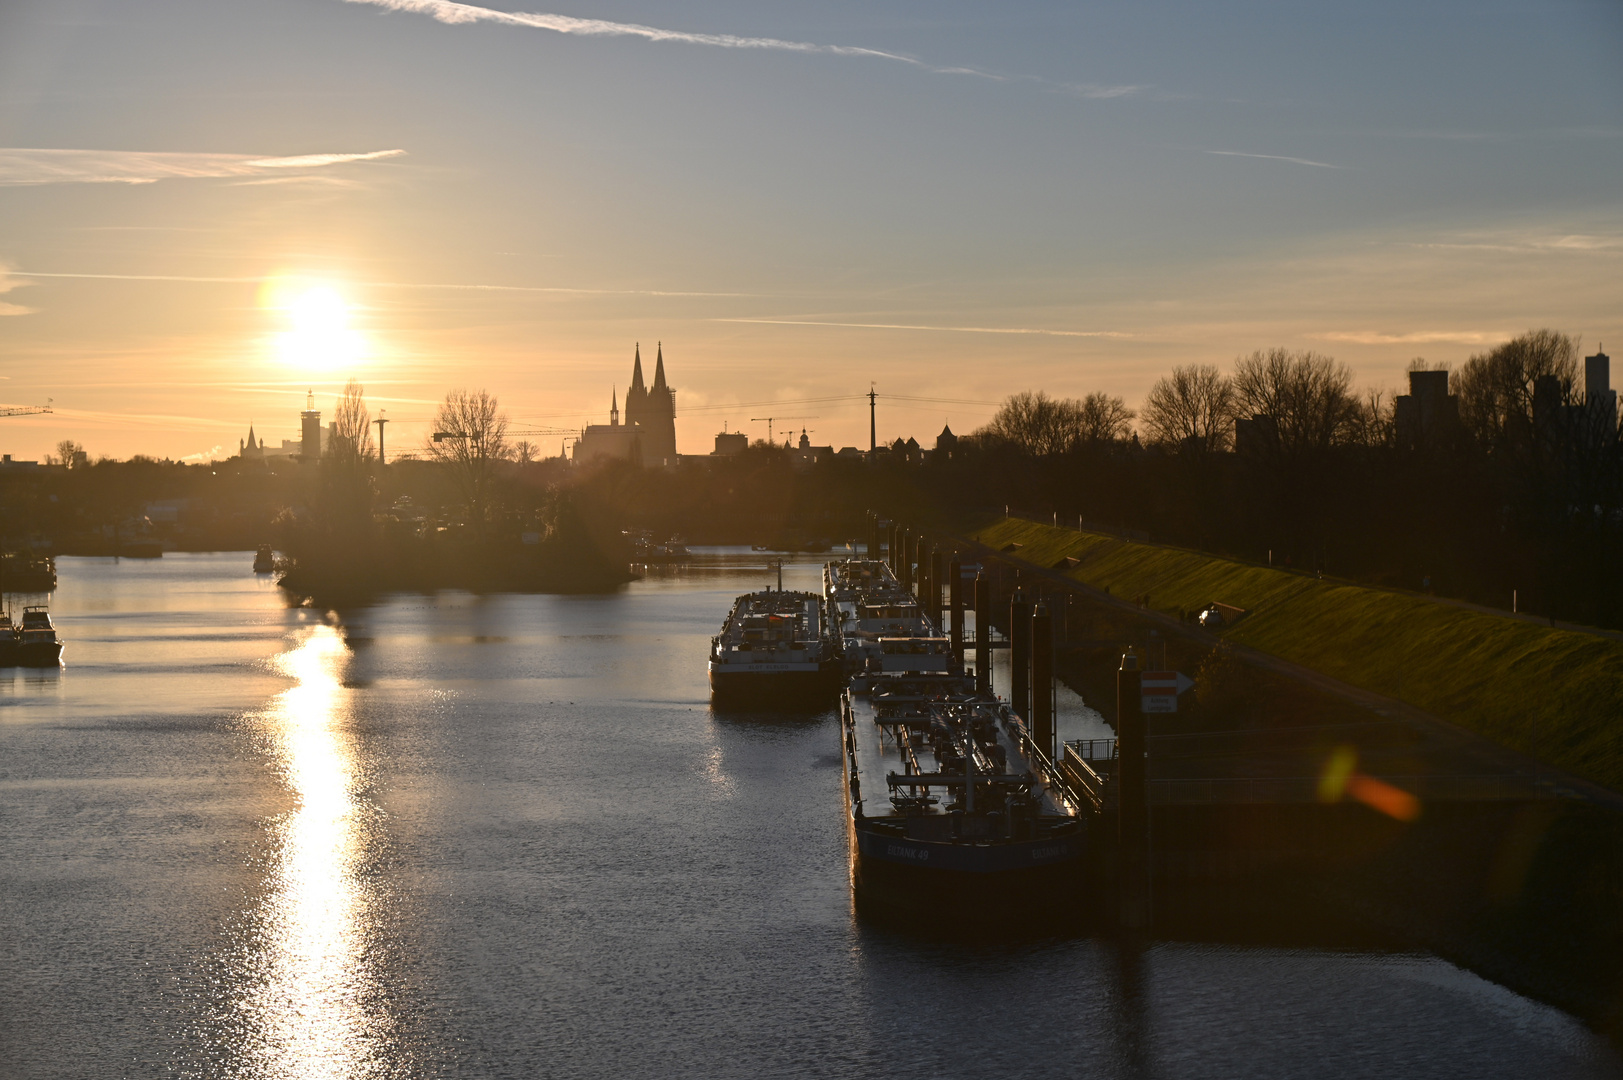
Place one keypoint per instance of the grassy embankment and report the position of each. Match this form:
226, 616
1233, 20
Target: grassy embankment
1554, 694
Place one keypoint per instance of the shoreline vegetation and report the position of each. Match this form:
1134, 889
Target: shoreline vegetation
345, 547
341, 573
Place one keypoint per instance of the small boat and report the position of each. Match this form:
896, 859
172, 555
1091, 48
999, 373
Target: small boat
8, 641
37, 643
264, 560
21, 572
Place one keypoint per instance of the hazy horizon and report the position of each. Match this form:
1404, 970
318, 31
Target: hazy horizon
208, 208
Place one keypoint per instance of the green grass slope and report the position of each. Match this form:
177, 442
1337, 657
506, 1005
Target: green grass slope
1555, 694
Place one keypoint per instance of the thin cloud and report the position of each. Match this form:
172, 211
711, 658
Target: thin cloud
1418, 337
32, 166
7, 283
941, 329
446, 11
1277, 157
451, 286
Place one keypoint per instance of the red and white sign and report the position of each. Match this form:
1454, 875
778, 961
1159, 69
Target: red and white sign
1159, 690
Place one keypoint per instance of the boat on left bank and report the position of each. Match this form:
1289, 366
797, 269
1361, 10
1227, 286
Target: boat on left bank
34, 642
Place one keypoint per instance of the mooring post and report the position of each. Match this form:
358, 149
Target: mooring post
1042, 679
983, 632
1132, 815
955, 597
921, 582
1020, 654
938, 571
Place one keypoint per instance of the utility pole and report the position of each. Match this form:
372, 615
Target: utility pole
380, 421
873, 430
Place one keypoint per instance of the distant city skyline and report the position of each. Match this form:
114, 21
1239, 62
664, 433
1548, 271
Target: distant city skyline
208, 209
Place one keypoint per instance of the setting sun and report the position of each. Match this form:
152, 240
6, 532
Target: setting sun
318, 335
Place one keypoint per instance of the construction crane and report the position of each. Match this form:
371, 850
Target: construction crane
769, 419
25, 410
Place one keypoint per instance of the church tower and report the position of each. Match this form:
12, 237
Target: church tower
637, 396
660, 440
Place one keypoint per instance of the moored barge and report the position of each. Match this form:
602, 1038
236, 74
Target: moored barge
951, 806
775, 649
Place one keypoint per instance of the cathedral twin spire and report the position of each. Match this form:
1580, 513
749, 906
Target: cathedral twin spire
654, 407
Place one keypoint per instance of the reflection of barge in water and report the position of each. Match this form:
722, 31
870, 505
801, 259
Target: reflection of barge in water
949, 801
775, 648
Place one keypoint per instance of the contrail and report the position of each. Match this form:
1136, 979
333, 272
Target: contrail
943, 329
446, 11
1277, 157
20, 166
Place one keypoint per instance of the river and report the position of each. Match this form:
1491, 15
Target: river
505, 836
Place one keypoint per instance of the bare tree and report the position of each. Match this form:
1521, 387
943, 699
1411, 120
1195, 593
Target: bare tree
1496, 388
1308, 395
351, 442
524, 451
1034, 423
67, 452
1101, 418
470, 436
1195, 402
1373, 420
1041, 426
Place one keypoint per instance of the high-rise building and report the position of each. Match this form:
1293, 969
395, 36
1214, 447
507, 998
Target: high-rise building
1600, 400
310, 426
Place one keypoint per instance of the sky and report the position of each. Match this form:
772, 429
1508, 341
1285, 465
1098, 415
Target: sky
210, 207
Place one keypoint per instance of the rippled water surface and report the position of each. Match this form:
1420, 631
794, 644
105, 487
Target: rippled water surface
506, 837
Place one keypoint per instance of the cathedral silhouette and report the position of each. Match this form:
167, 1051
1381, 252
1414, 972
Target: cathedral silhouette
648, 436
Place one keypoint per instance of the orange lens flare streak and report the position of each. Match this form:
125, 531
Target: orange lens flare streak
1341, 779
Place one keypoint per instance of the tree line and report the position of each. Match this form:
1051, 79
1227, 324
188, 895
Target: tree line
1513, 487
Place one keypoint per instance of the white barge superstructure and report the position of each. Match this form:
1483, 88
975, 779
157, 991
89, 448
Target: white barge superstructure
775, 648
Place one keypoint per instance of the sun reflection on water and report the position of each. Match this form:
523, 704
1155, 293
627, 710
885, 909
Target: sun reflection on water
313, 1009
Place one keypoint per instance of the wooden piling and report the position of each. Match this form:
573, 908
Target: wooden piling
983, 632
955, 597
1020, 654
938, 571
1132, 818
1042, 679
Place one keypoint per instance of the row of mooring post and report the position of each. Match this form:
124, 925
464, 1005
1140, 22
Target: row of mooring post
1032, 687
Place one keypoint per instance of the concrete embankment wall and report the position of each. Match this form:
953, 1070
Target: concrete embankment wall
1553, 694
